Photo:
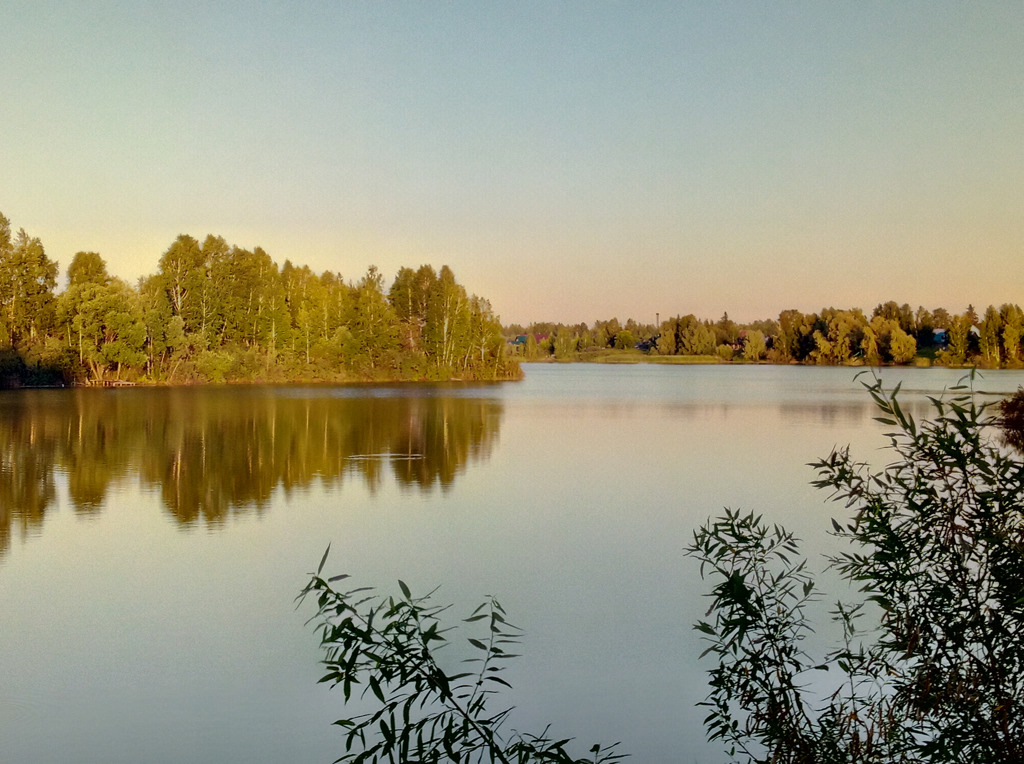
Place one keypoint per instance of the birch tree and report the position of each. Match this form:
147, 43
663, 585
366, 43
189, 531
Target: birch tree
27, 279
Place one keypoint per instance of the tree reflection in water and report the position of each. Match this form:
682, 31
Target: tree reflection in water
217, 452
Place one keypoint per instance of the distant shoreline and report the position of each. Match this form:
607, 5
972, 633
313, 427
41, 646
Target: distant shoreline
614, 357
10, 385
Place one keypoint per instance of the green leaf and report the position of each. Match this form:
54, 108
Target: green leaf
375, 686
323, 560
704, 627
405, 589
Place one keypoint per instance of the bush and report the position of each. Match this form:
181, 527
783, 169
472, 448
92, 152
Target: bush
624, 340
1011, 420
388, 647
937, 543
214, 365
725, 352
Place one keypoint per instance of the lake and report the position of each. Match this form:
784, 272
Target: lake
152, 543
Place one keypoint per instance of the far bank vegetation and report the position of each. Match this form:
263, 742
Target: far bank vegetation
215, 312
892, 334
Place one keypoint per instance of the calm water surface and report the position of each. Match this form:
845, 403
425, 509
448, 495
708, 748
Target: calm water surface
152, 543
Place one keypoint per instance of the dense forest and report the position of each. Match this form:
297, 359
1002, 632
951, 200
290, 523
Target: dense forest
892, 334
215, 312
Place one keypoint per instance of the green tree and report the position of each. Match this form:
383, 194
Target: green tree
625, 340
165, 332
486, 355
372, 336
924, 324
259, 317
972, 316
586, 339
696, 337
907, 320
104, 320
337, 300
842, 333
902, 346
87, 268
27, 279
182, 276
566, 343
1013, 330
87, 274
755, 346
871, 348
446, 330
726, 331
124, 327
318, 306
303, 296
902, 315
669, 337
990, 336
410, 297
885, 341
6, 290
794, 341
217, 289
532, 351
605, 331
959, 332
941, 319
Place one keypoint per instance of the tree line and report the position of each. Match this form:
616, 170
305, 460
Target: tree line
216, 312
891, 334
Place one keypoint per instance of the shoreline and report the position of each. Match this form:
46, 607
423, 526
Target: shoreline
628, 357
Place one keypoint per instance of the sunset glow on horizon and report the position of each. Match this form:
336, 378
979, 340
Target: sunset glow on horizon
570, 161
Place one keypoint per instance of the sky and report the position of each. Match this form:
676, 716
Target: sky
570, 161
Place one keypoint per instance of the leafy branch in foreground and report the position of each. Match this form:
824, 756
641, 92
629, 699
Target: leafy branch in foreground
759, 703
1011, 420
937, 542
388, 646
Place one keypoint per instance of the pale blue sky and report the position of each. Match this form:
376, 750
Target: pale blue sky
569, 160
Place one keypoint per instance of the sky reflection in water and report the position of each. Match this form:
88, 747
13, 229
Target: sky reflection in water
148, 613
